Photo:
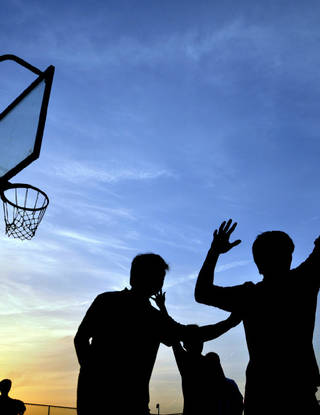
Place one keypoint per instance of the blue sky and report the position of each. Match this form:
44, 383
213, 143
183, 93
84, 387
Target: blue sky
164, 119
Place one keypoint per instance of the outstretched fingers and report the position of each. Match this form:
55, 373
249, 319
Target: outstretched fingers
225, 227
233, 227
221, 229
235, 243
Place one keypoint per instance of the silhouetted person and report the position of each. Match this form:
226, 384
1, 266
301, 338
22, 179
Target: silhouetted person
9, 406
278, 316
118, 340
205, 388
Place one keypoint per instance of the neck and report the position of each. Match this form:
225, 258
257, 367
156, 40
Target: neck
139, 294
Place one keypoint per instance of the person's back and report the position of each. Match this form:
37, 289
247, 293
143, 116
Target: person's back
278, 316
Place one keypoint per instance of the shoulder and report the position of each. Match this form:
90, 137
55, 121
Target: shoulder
18, 403
111, 295
231, 382
232, 385
244, 289
249, 285
13, 403
105, 300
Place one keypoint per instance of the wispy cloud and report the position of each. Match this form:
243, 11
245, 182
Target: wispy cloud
192, 276
78, 172
234, 264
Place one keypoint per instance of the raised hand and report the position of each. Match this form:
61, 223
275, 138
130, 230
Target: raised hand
221, 242
160, 299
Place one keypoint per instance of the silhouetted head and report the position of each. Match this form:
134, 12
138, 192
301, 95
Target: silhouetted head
191, 342
5, 386
147, 273
214, 367
213, 358
272, 252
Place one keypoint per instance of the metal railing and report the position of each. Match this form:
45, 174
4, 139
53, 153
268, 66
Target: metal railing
39, 409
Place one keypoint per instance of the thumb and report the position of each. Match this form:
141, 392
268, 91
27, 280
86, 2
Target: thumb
235, 243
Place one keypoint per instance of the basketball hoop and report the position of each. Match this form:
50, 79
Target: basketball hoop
23, 207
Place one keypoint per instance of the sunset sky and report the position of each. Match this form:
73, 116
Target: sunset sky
165, 118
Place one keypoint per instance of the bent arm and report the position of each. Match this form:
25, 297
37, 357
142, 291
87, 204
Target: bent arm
205, 290
82, 344
84, 334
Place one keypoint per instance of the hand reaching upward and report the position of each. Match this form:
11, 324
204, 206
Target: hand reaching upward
221, 242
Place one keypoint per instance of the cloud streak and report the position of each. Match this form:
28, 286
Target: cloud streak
78, 172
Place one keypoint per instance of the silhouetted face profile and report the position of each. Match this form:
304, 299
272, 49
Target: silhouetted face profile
5, 386
272, 253
147, 273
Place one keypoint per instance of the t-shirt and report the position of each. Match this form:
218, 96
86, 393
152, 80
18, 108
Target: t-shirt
125, 333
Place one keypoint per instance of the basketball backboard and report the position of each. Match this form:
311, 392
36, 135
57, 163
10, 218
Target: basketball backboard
22, 122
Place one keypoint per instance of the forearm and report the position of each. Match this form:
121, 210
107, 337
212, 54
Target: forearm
213, 331
205, 278
180, 355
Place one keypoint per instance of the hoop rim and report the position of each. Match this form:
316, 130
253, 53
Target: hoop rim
9, 186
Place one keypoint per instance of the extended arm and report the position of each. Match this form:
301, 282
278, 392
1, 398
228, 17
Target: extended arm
179, 353
205, 291
203, 333
213, 331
